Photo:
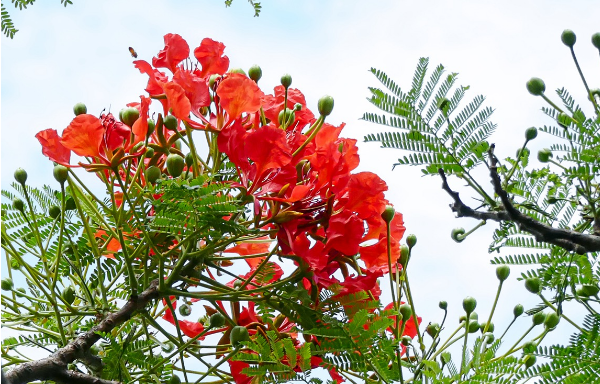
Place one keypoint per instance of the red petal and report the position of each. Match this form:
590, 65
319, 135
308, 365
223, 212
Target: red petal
84, 135
239, 94
269, 149
140, 127
210, 56
52, 147
155, 77
178, 102
345, 233
195, 88
176, 49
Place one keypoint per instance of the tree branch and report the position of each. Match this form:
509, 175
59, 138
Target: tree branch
463, 210
54, 367
580, 243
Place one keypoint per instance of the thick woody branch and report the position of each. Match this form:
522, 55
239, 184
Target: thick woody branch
567, 239
54, 367
463, 210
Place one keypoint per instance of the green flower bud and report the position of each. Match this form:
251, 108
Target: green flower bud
170, 122
404, 255
473, 326
489, 337
589, 290
596, 40
518, 310
536, 86
216, 320
54, 211
297, 107
6, 284
21, 176
185, 310
433, 329
237, 70
538, 318
411, 240
238, 334
20, 292
79, 109
469, 304
406, 340
406, 311
443, 305
189, 159
531, 133
286, 80
149, 152
529, 347
568, 38
544, 155
175, 380
552, 320
151, 127
61, 173
458, 234
473, 316
255, 73
490, 327
175, 164
129, 115
325, 105
152, 174
69, 294
533, 285
502, 272
18, 204
388, 214
529, 361
286, 116
70, 204
563, 120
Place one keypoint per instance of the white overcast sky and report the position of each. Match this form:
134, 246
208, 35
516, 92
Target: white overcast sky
62, 56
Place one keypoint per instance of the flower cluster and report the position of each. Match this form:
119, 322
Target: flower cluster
292, 169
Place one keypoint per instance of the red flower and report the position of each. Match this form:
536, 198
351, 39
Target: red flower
210, 56
188, 328
52, 146
239, 94
273, 104
176, 49
196, 89
84, 135
178, 101
140, 127
269, 149
345, 233
247, 249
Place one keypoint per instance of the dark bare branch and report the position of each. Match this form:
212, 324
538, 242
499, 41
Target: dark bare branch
54, 367
463, 210
564, 238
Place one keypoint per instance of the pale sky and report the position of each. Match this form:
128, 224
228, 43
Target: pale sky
62, 56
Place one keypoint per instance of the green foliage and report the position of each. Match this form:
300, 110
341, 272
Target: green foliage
563, 192
255, 5
8, 27
456, 145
